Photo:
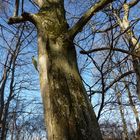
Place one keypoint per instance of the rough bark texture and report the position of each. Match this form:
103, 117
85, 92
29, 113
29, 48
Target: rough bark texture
68, 112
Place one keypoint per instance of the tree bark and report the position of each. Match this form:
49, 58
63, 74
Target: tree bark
68, 112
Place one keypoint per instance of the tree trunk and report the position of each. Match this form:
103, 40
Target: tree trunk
121, 109
125, 129
132, 105
134, 47
68, 112
133, 43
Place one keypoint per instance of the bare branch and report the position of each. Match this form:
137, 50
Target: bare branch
119, 78
108, 29
106, 48
16, 8
113, 82
87, 16
22, 6
126, 13
133, 3
24, 17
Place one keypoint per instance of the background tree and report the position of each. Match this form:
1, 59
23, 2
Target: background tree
16, 86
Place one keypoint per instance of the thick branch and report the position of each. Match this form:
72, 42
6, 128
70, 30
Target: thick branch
106, 48
87, 16
133, 3
13, 20
24, 17
39, 3
16, 8
126, 13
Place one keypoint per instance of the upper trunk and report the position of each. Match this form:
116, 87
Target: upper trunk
68, 112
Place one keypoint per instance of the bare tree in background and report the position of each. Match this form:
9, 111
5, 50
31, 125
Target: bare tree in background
15, 82
8, 72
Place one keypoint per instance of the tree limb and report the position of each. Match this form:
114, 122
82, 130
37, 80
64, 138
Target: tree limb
114, 81
107, 29
87, 16
24, 17
119, 78
133, 3
107, 48
39, 3
16, 11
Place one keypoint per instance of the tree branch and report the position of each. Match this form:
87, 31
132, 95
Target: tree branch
133, 3
16, 11
113, 82
107, 29
24, 17
119, 78
39, 3
87, 16
106, 48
